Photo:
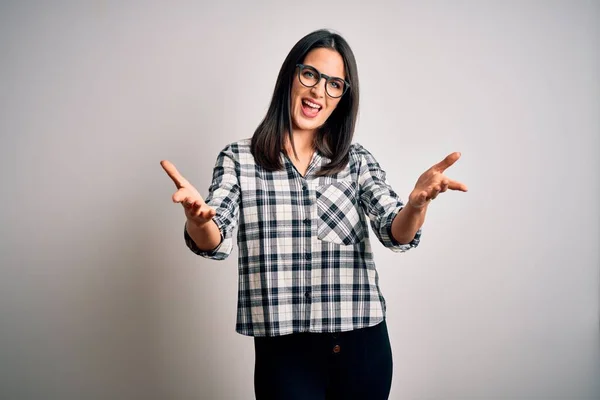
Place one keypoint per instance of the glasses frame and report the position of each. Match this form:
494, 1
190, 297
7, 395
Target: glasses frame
321, 76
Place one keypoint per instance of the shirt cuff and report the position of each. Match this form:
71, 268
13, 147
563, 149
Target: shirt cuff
195, 249
391, 243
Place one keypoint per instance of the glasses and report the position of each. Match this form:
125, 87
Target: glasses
310, 77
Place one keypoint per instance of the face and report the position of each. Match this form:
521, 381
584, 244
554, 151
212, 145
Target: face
311, 106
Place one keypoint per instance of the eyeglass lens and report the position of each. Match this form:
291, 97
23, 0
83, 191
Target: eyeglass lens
309, 76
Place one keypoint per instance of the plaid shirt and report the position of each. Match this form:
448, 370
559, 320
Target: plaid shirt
305, 260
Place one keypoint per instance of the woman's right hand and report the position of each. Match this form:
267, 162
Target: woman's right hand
196, 210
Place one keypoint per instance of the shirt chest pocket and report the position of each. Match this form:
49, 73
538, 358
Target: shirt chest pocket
338, 212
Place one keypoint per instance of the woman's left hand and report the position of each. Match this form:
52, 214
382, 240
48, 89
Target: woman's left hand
433, 182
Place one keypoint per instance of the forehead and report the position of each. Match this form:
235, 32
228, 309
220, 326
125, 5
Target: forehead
327, 61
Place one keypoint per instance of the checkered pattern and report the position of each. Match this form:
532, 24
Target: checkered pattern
305, 259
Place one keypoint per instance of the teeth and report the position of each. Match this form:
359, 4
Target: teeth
311, 105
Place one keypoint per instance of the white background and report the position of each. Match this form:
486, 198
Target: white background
100, 298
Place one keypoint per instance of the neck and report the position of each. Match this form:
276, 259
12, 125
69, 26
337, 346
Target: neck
303, 142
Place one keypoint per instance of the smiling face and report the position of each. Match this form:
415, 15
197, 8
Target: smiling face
310, 107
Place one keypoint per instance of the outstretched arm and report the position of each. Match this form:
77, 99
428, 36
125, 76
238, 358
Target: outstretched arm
429, 185
199, 225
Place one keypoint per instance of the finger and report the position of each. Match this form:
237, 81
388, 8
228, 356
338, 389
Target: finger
181, 195
208, 213
196, 210
196, 204
447, 162
434, 192
444, 185
189, 202
455, 185
170, 169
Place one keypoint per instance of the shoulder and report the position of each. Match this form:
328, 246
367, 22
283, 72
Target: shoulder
239, 153
357, 149
238, 150
358, 153
363, 159
238, 147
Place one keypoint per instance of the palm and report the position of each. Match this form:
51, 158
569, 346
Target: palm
433, 182
196, 210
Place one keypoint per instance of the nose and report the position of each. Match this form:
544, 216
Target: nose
319, 89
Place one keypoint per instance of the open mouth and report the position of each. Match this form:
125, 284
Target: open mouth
310, 109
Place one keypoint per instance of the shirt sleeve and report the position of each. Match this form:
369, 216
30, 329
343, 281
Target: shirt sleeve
380, 202
224, 197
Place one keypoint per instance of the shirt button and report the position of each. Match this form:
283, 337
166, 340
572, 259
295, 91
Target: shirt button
305, 188
307, 221
307, 256
336, 348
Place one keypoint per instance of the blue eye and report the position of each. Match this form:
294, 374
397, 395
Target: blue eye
337, 84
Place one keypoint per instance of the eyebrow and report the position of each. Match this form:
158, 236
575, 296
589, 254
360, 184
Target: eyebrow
325, 75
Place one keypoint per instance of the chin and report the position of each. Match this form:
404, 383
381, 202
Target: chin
302, 124
306, 127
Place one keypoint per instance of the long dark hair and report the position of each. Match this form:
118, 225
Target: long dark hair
334, 138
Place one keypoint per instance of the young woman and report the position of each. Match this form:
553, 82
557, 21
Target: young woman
300, 193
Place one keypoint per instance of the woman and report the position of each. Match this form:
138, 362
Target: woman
300, 194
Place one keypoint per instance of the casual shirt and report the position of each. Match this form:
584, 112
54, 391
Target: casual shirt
304, 256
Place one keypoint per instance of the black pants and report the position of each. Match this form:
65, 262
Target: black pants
322, 366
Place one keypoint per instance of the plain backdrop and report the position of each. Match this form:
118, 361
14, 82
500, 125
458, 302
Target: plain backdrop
100, 298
